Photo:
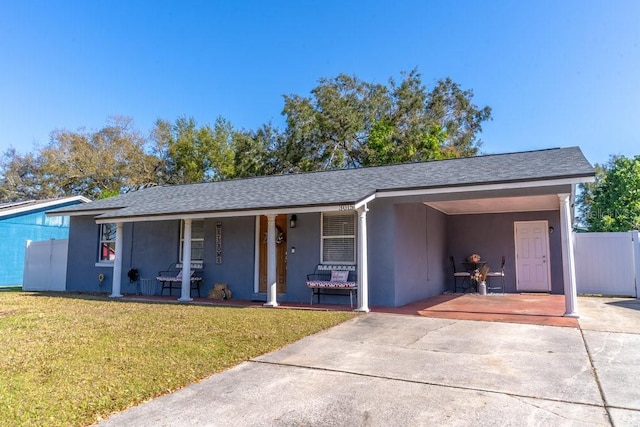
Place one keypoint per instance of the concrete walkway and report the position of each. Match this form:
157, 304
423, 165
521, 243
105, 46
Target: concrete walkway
384, 369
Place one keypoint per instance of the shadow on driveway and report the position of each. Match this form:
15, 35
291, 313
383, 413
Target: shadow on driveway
381, 370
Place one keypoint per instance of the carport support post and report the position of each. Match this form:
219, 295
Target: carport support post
363, 267
117, 264
568, 261
271, 262
185, 294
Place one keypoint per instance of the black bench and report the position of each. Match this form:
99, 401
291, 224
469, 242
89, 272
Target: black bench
171, 278
333, 280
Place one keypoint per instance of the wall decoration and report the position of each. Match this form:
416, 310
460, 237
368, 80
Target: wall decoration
219, 243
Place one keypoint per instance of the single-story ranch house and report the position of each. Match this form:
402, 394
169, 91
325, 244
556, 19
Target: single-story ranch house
398, 225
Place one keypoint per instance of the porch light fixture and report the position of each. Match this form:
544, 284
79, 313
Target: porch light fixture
292, 221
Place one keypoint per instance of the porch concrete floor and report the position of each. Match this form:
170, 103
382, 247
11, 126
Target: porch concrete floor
535, 309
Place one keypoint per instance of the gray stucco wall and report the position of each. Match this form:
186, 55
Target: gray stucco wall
82, 271
305, 238
419, 253
82, 254
236, 268
492, 235
153, 246
408, 247
381, 241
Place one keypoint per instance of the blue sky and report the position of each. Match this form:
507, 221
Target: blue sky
555, 73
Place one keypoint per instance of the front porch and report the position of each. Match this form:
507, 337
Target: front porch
535, 309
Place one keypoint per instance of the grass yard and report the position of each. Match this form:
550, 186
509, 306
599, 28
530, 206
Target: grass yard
73, 360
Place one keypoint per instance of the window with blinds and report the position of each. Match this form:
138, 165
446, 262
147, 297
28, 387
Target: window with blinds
338, 238
197, 239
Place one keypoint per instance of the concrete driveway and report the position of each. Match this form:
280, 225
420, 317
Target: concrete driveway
382, 370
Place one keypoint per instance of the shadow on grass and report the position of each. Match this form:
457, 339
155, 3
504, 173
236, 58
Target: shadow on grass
10, 288
200, 302
104, 297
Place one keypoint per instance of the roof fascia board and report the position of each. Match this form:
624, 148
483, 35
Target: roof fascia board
572, 205
226, 214
364, 201
79, 213
490, 212
484, 187
44, 205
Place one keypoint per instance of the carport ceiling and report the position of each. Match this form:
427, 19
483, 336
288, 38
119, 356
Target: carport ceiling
497, 205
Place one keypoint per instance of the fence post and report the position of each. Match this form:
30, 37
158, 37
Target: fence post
25, 271
635, 237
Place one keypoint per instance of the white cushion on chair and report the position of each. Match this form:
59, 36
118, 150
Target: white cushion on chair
339, 276
179, 275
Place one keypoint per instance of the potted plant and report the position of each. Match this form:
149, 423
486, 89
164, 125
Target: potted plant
474, 258
480, 276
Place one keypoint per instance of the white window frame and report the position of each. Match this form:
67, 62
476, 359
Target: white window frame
102, 241
344, 236
193, 239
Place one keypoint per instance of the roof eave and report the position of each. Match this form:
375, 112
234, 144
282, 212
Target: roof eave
335, 207
44, 205
497, 185
83, 212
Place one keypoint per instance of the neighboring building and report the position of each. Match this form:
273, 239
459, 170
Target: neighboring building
399, 224
22, 221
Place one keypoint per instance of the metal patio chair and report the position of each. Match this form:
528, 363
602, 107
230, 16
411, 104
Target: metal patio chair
495, 274
464, 276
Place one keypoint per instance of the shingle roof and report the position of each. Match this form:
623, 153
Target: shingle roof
26, 206
343, 186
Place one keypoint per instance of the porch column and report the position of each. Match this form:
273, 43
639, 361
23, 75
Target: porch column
363, 266
185, 294
117, 263
271, 262
568, 261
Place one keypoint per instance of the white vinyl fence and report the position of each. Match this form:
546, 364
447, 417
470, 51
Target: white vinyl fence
45, 265
607, 263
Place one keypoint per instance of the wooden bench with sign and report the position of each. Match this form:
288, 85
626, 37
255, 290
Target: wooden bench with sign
333, 280
171, 278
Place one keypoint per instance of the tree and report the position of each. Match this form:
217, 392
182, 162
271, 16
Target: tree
451, 111
347, 122
21, 177
110, 160
254, 152
187, 153
612, 202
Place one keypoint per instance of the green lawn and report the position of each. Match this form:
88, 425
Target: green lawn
73, 360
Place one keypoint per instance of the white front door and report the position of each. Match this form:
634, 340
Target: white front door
532, 256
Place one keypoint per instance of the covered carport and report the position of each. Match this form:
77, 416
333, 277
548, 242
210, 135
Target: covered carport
529, 223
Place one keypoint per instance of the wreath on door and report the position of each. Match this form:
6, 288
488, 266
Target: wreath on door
279, 236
